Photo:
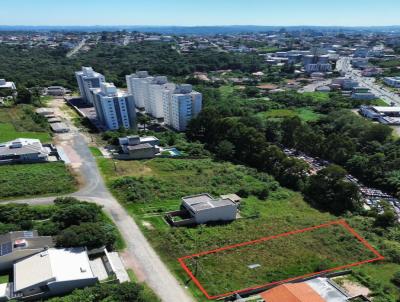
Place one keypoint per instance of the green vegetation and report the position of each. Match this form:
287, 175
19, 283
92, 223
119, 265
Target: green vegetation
4, 278
95, 151
304, 114
70, 221
22, 122
35, 179
278, 259
107, 292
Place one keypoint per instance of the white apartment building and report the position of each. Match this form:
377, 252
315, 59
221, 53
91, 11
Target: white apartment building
180, 106
155, 103
138, 86
114, 108
87, 80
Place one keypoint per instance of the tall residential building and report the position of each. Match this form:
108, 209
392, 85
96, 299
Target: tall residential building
88, 79
180, 106
138, 86
155, 101
115, 109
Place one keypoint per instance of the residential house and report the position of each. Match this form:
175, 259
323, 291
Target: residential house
23, 150
135, 147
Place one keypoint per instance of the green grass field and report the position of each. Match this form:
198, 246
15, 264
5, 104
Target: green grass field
35, 179
149, 188
16, 123
278, 259
305, 114
8, 133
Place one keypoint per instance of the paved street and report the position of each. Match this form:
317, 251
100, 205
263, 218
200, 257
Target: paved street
344, 65
139, 256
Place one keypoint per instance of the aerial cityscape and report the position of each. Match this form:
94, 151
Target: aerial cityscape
179, 151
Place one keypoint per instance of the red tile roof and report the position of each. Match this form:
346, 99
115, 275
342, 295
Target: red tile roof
296, 292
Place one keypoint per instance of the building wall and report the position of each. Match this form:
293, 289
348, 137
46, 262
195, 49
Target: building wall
227, 213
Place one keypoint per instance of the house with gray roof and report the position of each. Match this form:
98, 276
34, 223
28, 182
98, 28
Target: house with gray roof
23, 150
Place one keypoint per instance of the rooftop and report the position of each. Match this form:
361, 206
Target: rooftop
23, 240
296, 292
52, 265
22, 146
205, 201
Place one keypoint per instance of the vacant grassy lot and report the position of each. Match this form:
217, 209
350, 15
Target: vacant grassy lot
278, 259
15, 122
150, 188
305, 114
35, 179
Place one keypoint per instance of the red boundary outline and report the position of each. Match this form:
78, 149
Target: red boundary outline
338, 222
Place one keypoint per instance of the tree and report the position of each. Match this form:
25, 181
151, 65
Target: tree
328, 190
92, 235
396, 279
225, 150
387, 218
24, 96
144, 120
75, 214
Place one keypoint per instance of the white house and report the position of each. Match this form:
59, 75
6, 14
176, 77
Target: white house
7, 85
53, 272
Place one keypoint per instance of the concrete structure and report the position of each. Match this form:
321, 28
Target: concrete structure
23, 150
203, 208
59, 127
154, 103
17, 245
314, 63
392, 81
7, 85
359, 63
384, 115
362, 93
45, 111
114, 108
55, 90
135, 147
345, 83
88, 79
138, 86
180, 106
53, 272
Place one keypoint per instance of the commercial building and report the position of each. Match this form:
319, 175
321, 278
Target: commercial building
180, 106
314, 63
7, 85
362, 93
17, 245
114, 108
138, 86
385, 115
23, 150
392, 81
88, 79
203, 208
136, 147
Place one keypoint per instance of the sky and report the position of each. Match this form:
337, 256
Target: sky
200, 12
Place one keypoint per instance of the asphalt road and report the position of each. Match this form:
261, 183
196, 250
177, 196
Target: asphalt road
344, 65
139, 255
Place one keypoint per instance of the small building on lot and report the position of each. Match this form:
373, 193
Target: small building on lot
203, 208
45, 111
7, 85
24, 150
17, 245
135, 147
53, 272
59, 127
385, 115
55, 90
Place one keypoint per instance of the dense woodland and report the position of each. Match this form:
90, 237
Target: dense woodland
233, 130
30, 67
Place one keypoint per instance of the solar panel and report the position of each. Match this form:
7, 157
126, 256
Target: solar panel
28, 234
6, 248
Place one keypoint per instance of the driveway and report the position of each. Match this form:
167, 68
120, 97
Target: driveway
139, 255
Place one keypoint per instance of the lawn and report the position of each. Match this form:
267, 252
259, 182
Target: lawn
8, 133
304, 114
277, 259
35, 179
95, 151
17, 122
